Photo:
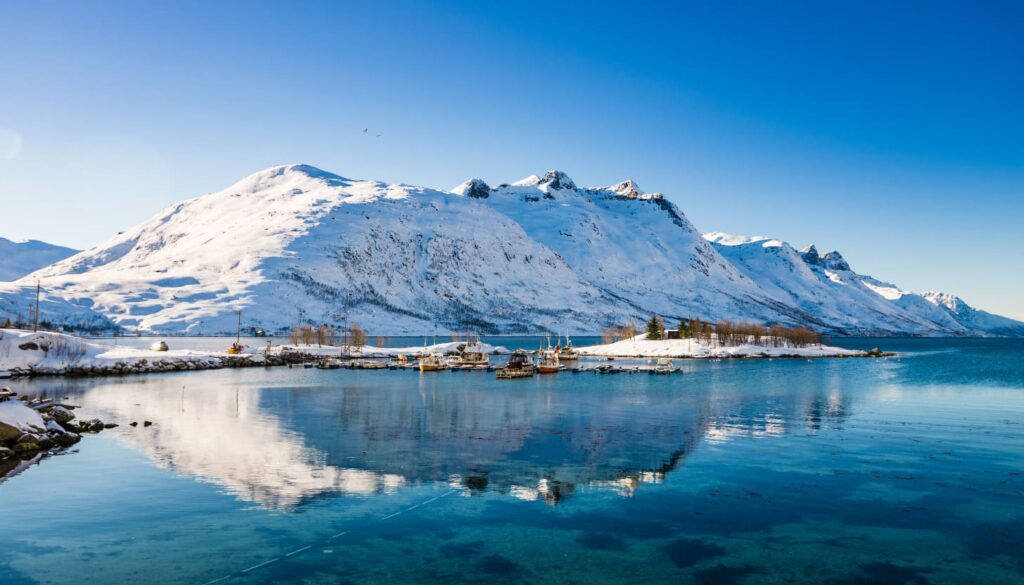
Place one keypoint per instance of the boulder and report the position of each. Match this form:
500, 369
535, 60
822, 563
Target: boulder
16, 419
8, 432
5, 453
67, 439
61, 414
26, 438
95, 425
23, 448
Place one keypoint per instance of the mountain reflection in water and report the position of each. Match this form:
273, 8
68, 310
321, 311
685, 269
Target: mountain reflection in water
297, 435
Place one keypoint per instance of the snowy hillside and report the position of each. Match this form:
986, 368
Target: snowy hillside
296, 244
827, 287
20, 258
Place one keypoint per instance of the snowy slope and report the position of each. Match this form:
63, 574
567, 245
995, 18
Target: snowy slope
18, 301
635, 246
827, 287
974, 319
20, 258
296, 244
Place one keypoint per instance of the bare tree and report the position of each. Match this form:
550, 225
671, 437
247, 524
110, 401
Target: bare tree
358, 335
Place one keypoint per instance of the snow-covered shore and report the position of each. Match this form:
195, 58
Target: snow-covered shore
31, 429
369, 351
640, 346
50, 353
27, 353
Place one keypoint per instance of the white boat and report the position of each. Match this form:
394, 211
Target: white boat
664, 366
567, 353
433, 362
548, 363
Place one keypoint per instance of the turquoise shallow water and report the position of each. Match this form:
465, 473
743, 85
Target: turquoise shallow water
904, 470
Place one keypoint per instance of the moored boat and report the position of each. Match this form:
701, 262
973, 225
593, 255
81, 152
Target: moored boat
548, 363
433, 362
473, 358
567, 353
664, 366
519, 365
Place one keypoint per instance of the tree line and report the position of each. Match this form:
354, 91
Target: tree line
722, 333
354, 335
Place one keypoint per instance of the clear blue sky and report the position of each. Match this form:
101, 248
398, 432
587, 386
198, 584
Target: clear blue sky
892, 131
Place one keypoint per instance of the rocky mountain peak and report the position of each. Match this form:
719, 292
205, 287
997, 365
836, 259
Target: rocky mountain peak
475, 188
556, 180
810, 255
627, 188
834, 261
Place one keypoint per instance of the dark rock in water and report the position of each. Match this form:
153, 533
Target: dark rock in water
26, 438
686, 552
724, 575
110, 425
5, 453
147, 423
22, 448
498, 565
67, 439
95, 425
44, 442
133, 424
71, 427
61, 414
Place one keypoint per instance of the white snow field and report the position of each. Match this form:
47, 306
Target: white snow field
295, 244
640, 346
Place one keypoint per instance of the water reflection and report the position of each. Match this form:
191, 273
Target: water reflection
225, 437
278, 438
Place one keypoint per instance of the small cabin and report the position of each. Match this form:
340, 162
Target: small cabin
672, 334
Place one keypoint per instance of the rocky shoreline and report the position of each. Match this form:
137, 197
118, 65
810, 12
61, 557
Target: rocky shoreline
146, 366
34, 428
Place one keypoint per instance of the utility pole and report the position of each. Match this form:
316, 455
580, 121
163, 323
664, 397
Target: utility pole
238, 332
348, 302
35, 327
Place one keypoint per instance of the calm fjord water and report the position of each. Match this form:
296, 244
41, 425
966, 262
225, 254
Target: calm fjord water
904, 470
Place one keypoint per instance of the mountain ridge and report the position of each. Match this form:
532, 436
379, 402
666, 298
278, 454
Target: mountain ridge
294, 243
18, 259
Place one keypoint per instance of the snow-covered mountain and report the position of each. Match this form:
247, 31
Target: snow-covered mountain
824, 285
20, 258
297, 244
